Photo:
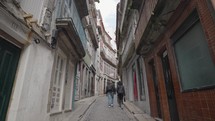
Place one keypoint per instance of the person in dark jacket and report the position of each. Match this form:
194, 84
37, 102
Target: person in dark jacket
110, 91
120, 93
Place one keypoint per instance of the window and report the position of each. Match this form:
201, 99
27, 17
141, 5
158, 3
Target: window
70, 3
58, 9
140, 78
69, 85
195, 65
86, 81
58, 82
101, 64
134, 75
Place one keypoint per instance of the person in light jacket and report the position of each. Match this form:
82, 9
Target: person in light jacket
110, 91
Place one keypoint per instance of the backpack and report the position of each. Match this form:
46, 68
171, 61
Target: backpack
109, 88
120, 89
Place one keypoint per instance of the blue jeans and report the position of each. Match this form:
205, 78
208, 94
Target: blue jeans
110, 98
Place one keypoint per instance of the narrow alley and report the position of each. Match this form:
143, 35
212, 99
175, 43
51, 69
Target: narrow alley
63, 60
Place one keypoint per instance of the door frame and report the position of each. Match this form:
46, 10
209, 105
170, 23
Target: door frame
173, 111
156, 87
16, 50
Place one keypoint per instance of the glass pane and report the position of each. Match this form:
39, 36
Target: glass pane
58, 59
55, 79
141, 81
59, 79
61, 65
55, 106
195, 65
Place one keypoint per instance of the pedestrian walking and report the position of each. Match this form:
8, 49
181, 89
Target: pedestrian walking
110, 91
120, 93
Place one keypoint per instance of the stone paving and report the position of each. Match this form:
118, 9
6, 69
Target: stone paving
99, 111
96, 109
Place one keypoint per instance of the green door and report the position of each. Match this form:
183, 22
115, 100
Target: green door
9, 57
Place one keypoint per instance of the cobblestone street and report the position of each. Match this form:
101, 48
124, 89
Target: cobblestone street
99, 111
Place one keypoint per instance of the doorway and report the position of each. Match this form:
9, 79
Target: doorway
156, 88
169, 87
135, 83
9, 58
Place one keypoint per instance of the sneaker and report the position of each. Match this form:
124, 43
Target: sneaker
109, 106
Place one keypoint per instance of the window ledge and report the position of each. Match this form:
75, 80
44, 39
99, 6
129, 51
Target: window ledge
68, 110
56, 113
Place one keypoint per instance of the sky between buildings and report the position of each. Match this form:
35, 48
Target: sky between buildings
108, 12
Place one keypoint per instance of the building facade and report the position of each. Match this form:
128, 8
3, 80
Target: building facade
176, 42
87, 68
131, 66
108, 61
22, 42
42, 44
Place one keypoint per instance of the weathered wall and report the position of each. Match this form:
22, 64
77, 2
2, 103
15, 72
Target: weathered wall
192, 105
31, 87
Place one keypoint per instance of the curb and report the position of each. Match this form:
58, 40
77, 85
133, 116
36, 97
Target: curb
138, 114
82, 107
82, 115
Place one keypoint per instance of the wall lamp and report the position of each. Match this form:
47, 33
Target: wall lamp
37, 41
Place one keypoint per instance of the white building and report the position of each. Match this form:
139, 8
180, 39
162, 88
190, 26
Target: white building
108, 61
87, 68
41, 44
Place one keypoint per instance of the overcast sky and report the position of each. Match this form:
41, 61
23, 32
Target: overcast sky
108, 11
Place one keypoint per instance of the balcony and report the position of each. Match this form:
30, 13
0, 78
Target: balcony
111, 60
153, 20
67, 27
91, 26
75, 24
